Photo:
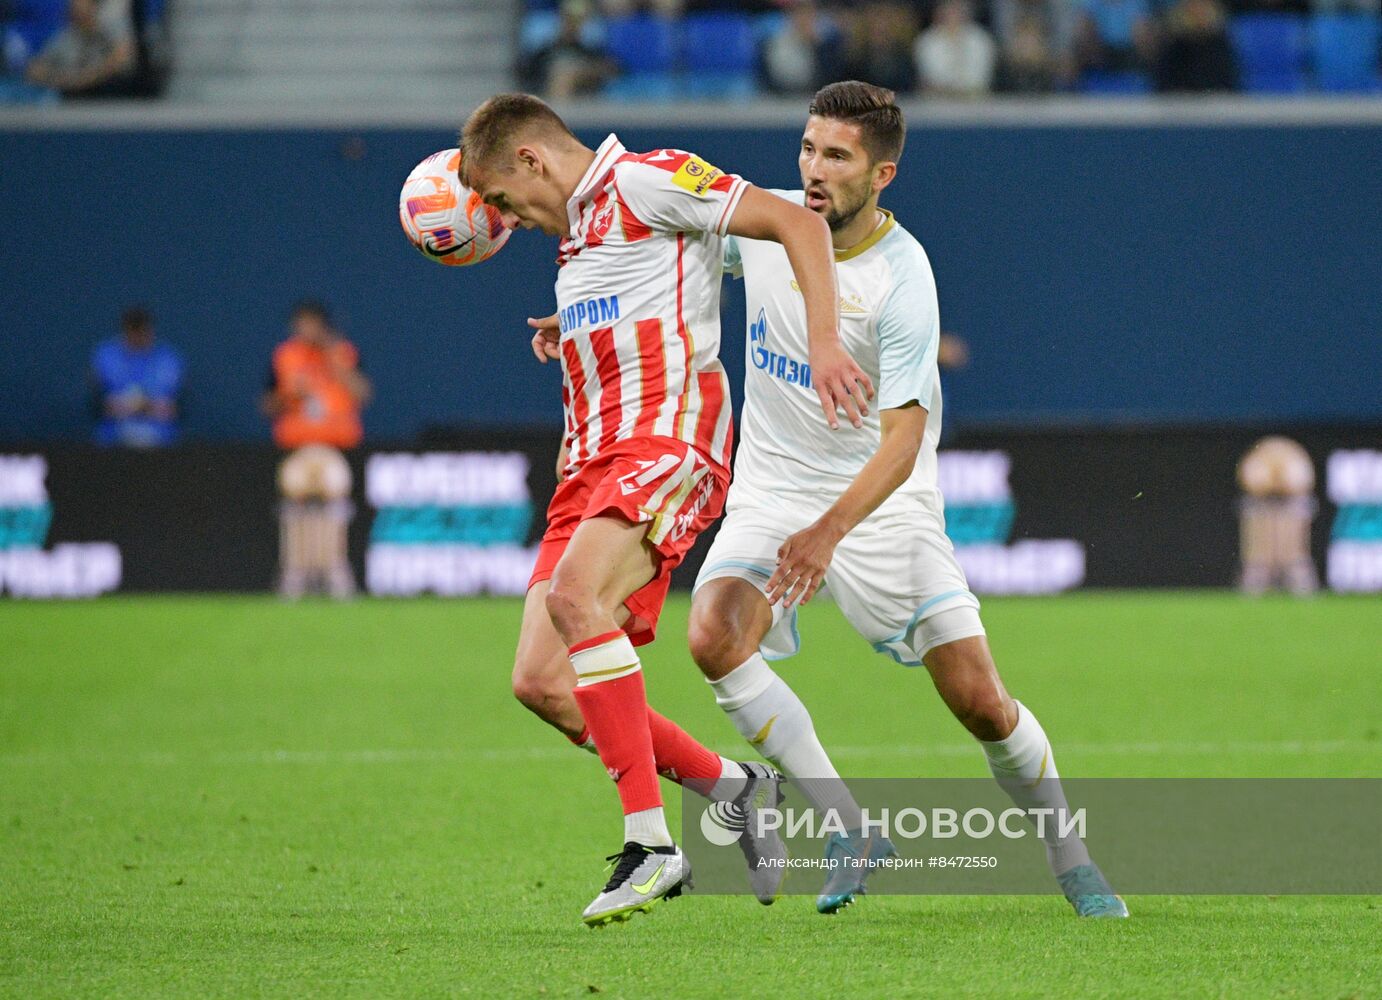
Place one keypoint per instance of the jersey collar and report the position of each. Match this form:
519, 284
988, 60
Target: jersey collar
870, 241
610, 150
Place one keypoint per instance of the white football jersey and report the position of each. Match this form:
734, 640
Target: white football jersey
889, 324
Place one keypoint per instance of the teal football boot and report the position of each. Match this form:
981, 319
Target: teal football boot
853, 858
1090, 894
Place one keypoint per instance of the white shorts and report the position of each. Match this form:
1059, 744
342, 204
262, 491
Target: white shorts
894, 577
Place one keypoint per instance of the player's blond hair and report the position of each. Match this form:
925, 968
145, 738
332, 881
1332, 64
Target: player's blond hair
502, 122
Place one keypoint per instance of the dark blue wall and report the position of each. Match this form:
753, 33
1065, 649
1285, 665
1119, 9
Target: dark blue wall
1099, 274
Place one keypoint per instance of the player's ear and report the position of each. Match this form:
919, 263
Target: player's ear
528, 157
883, 174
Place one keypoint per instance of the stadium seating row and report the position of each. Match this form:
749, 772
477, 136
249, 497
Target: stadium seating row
31, 23
1277, 53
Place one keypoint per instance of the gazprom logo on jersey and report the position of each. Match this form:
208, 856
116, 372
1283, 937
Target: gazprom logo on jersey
26, 568
777, 365
1353, 480
449, 523
979, 512
601, 309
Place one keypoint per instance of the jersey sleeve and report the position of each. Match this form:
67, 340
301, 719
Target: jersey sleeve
734, 260
671, 191
734, 249
908, 338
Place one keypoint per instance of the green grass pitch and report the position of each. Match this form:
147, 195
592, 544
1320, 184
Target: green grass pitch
213, 797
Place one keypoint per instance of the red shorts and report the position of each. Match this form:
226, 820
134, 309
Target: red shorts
658, 481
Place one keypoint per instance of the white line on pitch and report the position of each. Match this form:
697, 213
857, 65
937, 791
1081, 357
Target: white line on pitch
557, 751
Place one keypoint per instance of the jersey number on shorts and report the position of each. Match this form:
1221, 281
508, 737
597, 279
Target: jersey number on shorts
648, 471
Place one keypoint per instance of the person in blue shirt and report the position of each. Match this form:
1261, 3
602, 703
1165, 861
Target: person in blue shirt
137, 382
1115, 36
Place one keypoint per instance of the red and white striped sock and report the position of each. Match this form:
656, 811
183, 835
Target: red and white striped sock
612, 700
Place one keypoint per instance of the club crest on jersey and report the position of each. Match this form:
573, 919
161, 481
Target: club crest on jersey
779, 366
849, 306
602, 221
696, 176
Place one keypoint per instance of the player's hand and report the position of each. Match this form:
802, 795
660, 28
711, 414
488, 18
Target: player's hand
840, 384
547, 338
801, 564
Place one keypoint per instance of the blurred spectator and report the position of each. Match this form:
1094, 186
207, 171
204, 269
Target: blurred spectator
1277, 477
136, 383
1059, 20
880, 46
1115, 35
315, 388
314, 397
1036, 39
952, 352
804, 55
567, 66
1029, 63
1196, 54
955, 57
622, 8
94, 56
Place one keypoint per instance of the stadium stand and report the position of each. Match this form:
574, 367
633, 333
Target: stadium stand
364, 51
1344, 48
436, 52
660, 51
1271, 50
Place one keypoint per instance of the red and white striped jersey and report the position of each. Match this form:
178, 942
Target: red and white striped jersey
638, 299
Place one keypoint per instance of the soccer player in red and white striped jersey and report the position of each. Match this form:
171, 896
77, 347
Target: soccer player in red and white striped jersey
648, 434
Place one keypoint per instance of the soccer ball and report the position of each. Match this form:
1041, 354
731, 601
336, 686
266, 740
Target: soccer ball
444, 219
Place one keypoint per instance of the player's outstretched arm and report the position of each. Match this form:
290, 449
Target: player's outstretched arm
840, 383
804, 557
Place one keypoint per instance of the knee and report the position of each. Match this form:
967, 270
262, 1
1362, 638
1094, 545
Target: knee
984, 710
973, 692
569, 606
540, 693
715, 646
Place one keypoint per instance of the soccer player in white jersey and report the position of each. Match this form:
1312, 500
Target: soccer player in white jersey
648, 432
858, 509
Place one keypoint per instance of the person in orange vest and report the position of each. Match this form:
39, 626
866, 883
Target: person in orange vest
314, 398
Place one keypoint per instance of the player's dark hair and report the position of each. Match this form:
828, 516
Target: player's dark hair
497, 126
873, 109
311, 307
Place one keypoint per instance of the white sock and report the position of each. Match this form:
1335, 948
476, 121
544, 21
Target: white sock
772, 718
1026, 769
730, 784
647, 827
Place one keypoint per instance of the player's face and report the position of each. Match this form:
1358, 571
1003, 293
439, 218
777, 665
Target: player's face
836, 171
524, 197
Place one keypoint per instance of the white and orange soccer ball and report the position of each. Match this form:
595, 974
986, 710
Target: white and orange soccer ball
443, 218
